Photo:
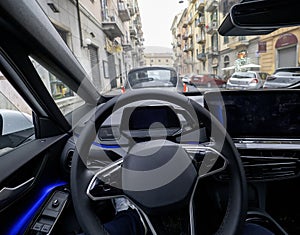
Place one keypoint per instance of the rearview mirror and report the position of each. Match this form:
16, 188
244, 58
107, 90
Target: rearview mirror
266, 14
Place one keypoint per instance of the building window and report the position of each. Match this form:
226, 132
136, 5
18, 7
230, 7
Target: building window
242, 38
64, 34
226, 61
226, 39
167, 60
152, 61
214, 16
214, 42
158, 60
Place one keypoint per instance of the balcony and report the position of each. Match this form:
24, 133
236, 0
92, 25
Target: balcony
211, 5
131, 10
112, 26
212, 27
201, 56
124, 13
185, 36
132, 31
127, 45
190, 47
200, 21
187, 61
190, 20
185, 24
178, 43
237, 42
178, 54
185, 48
200, 5
212, 51
200, 39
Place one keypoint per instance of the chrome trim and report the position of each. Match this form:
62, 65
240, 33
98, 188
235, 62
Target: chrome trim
114, 167
268, 146
111, 167
7, 192
191, 208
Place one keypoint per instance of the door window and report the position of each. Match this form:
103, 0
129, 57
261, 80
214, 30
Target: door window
16, 125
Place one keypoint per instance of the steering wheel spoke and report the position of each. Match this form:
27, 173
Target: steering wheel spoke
207, 160
106, 183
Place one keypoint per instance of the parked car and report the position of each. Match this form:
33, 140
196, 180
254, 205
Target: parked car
283, 78
207, 80
153, 77
246, 80
186, 78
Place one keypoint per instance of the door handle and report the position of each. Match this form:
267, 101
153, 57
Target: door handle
8, 193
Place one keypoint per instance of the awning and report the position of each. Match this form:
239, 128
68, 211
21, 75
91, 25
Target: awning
228, 68
250, 66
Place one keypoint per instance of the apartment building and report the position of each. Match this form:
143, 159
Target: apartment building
106, 36
200, 49
160, 56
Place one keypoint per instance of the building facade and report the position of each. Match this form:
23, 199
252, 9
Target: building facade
106, 36
280, 49
197, 46
161, 56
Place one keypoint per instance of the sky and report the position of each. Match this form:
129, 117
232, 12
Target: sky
157, 17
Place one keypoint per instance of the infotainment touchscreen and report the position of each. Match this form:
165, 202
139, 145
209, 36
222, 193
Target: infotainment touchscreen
269, 114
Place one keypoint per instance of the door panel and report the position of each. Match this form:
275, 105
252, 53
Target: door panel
37, 163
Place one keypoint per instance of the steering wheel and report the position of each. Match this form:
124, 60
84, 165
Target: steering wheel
157, 175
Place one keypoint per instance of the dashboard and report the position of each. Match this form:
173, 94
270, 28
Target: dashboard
263, 125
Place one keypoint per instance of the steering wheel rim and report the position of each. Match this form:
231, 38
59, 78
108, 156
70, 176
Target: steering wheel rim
80, 176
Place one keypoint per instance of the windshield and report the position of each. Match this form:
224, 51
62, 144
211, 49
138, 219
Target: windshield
114, 39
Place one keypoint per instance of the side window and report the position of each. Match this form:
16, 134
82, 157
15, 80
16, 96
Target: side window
16, 126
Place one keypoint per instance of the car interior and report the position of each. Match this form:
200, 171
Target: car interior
187, 167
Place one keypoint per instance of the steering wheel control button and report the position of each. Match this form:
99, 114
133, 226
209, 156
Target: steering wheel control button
55, 203
37, 227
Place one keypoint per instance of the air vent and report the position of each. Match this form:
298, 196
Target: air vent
259, 168
270, 168
68, 161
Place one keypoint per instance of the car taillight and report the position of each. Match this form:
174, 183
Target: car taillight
123, 89
185, 88
254, 80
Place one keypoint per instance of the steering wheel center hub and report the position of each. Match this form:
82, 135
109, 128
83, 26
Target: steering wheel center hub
157, 174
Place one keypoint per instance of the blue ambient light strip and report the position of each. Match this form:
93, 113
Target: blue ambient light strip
220, 114
103, 146
20, 225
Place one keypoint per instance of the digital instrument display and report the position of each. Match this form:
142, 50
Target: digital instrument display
142, 118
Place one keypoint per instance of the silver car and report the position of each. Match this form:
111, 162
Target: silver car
284, 78
154, 77
246, 80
